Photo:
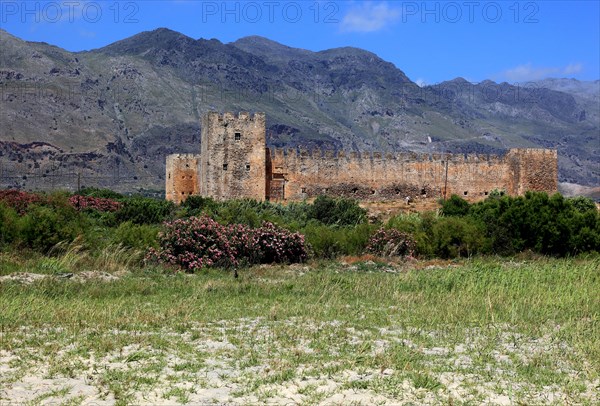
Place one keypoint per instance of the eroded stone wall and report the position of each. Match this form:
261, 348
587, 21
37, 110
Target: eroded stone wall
233, 156
533, 169
374, 176
182, 176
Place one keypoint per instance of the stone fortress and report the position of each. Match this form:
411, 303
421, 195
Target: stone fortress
234, 162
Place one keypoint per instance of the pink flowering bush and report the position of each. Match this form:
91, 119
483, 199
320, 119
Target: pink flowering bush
391, 243
279, 245
19, 200
194, 243
243, 241
94, 203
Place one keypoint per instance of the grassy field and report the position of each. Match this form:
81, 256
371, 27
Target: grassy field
357, 331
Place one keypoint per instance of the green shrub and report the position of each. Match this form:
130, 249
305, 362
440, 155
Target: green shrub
355, 239
583, 204
340, 211
458, 237
330, 242
324, 241
246, 211
546, 224
9, 225
455, 206
420, 227
43, 227
240, 212
144, 210
194, 205
295, 214
139, 236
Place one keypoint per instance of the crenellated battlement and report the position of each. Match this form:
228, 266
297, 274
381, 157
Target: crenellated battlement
329, 154
231, 117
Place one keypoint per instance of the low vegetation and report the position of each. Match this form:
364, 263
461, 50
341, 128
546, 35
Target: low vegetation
520, 331
112, 299
327, 228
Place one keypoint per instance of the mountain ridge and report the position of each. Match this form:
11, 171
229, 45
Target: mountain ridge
121, 108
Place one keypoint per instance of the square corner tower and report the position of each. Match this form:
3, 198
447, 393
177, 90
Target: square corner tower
233, 156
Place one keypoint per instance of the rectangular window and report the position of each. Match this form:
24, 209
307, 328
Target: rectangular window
238, 136
247, 167
224, 167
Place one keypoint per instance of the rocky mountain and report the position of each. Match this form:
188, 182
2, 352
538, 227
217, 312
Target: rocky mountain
588, 90
109, 116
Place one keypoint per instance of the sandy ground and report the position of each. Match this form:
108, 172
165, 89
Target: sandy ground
217, 367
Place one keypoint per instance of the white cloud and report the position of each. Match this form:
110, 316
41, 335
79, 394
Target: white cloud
421, 82
527, 72
573, 68
369, 17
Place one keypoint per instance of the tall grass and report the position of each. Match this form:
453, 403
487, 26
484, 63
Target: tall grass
526, 295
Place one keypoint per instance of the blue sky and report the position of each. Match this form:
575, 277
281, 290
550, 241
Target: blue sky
430, 41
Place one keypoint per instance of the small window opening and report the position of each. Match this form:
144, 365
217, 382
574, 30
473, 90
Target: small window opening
423, 192
372, 192
238, 136
224, 167
247, 167
187, 165
303, 190
355, 190
465, 193
182, 176
169, 176
485, 193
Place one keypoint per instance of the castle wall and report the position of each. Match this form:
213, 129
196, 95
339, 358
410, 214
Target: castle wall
375, 176
533, 169
233, 156
235, 163
182, 176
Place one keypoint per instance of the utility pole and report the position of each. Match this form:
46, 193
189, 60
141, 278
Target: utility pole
446, 179
78, 182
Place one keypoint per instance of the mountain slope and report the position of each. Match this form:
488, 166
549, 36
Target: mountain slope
112, 114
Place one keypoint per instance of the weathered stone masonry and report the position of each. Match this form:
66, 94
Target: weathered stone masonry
182, 179
232, 156
234, 162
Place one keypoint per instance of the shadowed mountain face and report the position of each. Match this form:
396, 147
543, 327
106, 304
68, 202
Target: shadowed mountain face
112, 114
